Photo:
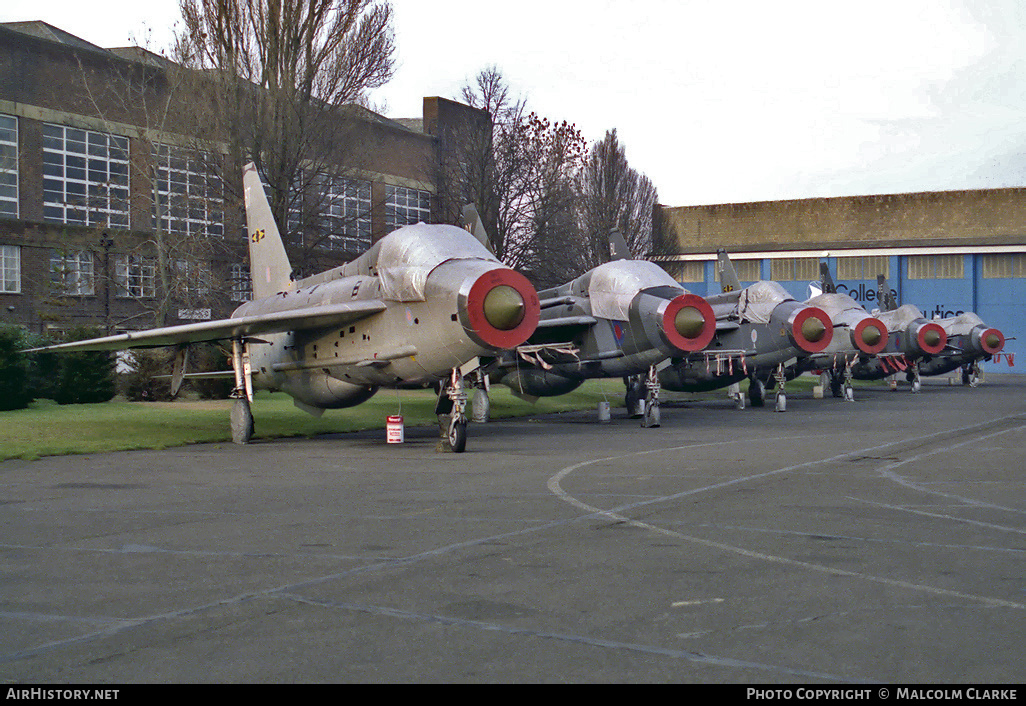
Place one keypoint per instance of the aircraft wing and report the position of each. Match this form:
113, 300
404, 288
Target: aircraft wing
313, 317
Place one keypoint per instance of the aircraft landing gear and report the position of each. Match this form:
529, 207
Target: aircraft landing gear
242, 421
971, 374
913, 377
651, 403
451, 409
241, 414
835, 384
781, 405
481, 404
756, 392
734, 393
634, 399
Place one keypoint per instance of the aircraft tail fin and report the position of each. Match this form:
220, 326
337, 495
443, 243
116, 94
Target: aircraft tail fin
472, 222
884, 294
826, 280
268, 262
618, 249
728, 277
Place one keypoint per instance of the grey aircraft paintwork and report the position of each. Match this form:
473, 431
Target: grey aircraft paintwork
858, 336
912, 339
960, 341
761, 333
622, 318
970, 341
418, 308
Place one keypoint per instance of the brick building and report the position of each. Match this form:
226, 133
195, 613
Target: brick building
91, 179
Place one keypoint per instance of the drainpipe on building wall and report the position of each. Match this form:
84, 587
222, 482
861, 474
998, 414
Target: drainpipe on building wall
107, 242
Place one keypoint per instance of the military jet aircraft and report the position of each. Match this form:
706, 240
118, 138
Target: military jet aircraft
964, 341
620, 319
416, 309
761, 333
857, 335
911, 339
970, 341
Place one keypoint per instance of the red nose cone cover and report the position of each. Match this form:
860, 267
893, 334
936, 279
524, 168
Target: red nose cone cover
492, 336
696, 302
921, 338
812, 312
879, 345
991, 350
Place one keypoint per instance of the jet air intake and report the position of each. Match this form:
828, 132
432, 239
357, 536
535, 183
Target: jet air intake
811, 329
986, 341
870, 335
929, 338
499, 309
689, 323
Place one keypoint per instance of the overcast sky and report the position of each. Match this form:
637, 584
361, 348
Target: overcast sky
716, 101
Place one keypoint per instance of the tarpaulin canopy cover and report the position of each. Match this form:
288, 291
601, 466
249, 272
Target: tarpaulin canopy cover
614, 285
407, 256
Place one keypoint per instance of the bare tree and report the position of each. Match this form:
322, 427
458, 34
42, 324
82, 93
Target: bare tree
615, 196
553, 250
485, 163
284, 79
522, 175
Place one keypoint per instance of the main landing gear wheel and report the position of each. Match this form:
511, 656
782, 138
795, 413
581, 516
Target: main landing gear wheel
242, 421
781, 403
836, 385
634, 398
970, 375
757, 392
651, 416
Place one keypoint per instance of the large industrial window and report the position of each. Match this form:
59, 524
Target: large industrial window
406, 206
685, 271
192, 277
8, 166
72, 273
794, 269
10, 269
135, 276
85, 177
242, 286
867, 267
936, 266
747, 270
1004, 266
187, 198
346, 214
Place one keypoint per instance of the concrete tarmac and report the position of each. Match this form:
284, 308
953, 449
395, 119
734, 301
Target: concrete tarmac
880, 540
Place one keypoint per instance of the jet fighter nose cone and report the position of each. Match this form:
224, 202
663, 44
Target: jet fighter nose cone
504, 307
871, 335
931, 338
992, 340
813, 329
689, 322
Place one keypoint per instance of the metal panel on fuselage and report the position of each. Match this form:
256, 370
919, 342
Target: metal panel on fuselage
416, 342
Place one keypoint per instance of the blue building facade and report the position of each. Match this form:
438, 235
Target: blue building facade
946, 253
